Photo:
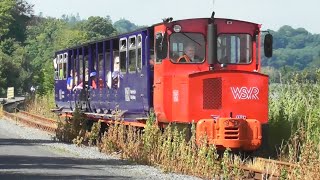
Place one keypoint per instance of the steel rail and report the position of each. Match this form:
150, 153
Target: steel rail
274, 172
39, 123
253, 173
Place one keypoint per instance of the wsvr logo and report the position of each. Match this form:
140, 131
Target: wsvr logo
245, 92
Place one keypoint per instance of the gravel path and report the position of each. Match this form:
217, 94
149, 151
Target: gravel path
27, 153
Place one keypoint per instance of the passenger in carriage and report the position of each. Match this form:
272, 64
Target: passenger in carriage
70, 81
80, 85
93, 78
116, 74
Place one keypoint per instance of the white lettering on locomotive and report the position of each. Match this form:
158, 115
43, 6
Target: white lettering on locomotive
175, 95
245, 92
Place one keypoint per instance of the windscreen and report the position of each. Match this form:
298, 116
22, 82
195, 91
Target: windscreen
234, 48
187, 48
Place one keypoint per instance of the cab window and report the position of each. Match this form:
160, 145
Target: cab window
234, 48
187, 48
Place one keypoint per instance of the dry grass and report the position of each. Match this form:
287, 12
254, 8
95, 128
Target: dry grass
1, 111
42, 105
168, 150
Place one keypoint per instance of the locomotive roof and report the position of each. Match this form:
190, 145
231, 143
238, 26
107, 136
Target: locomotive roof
206, 19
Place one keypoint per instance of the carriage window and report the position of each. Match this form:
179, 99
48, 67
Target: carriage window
80, 72
100, 68
56, 67
132, 54
86, 68
139, 47
107, 67
62, 65
74, 67
234, 48
123, 55
187, 48
65, 61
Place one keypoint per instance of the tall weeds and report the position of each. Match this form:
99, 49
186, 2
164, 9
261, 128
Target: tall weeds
72, 129
293, 106
41, 105
168, 150
294, 111
1, 110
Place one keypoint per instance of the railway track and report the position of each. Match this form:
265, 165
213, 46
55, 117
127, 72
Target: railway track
270, 169
32, 120
260, 168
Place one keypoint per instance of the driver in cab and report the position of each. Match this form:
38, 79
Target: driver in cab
189, 55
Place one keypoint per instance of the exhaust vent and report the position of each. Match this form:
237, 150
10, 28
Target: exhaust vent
212, 93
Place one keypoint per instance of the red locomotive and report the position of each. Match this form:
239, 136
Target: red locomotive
204, 71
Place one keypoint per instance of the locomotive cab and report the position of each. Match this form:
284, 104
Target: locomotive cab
207, 71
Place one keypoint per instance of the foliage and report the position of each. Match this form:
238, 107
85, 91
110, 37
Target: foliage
168, 149
12, 65
294, 50
294, 105
21, 13
41, 105
124, 26
1, 111
94, 134
98, 27
6, 7
72, 129
71, 19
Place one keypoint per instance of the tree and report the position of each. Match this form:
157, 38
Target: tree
13, 71
21, 13
44, 38
296, 49
123, 26
6, 7
98, 27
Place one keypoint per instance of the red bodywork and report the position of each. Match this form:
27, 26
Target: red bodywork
228, 104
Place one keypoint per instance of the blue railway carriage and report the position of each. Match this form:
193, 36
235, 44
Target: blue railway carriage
106, 76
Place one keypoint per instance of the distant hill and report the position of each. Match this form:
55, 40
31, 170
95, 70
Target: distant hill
296, 49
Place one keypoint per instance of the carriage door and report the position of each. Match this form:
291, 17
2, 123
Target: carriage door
61, 80
135, 88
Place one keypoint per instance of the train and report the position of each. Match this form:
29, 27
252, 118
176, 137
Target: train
202, 71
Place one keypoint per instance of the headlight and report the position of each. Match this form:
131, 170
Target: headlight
176, 28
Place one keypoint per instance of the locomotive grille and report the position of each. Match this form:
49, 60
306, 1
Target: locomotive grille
231, 133
212, 93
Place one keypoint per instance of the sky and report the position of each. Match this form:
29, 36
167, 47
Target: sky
272, 14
